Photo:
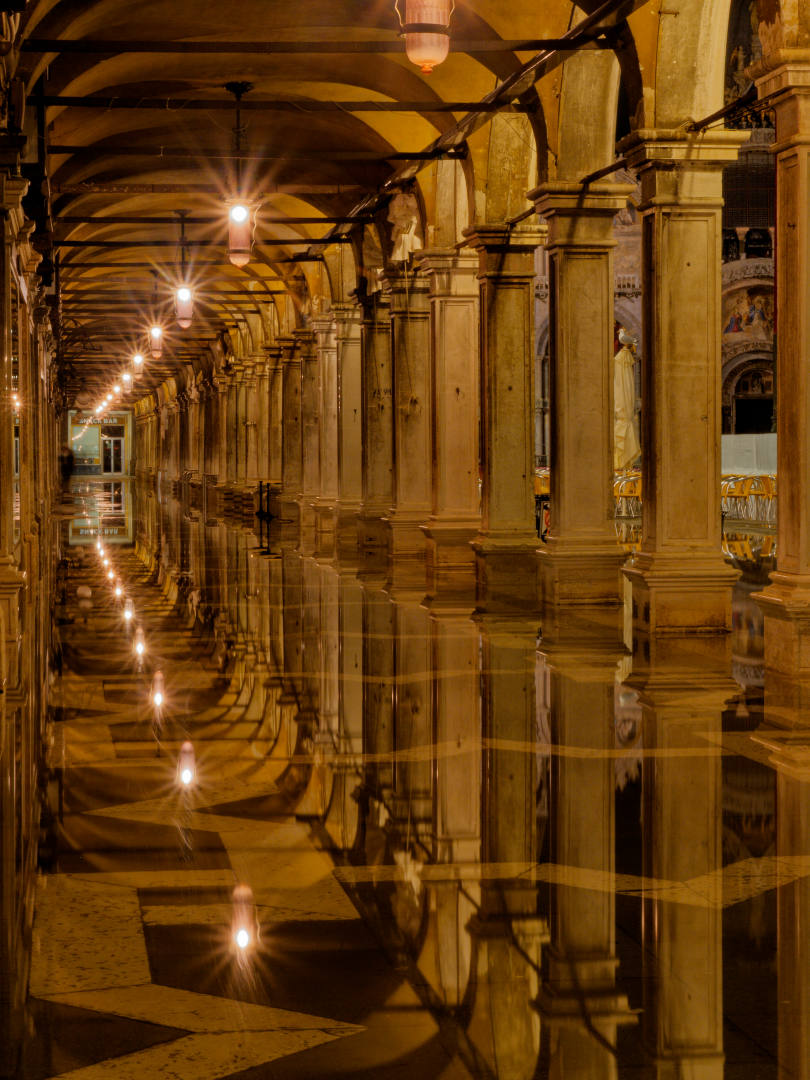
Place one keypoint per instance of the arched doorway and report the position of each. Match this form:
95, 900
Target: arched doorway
748, 397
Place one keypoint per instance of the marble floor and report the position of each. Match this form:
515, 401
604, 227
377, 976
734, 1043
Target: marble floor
366, 833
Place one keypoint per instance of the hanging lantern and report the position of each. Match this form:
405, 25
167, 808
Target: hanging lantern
426, 27
137, 363
186, 765
241, 223
184, 306
245, 923
158, 693
129, 611
156, 342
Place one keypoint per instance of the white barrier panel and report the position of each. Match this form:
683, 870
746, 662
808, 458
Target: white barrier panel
749, 455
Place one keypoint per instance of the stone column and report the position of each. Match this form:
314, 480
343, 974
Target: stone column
679, 577
231, 438
412, 444
348, 318
291, 448
262, 419
221, 387
274, 413
507, 544
326, 339
310, 426
581, 560
378, 423
455, 518
784, 78
250, 419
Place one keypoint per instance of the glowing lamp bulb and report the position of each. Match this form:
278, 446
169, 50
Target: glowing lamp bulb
184, 306
129, 614
105, 562
126, 378
158, 688
156, 341
137, 359
242, 938
240, 235
140, 648
186, 764
116, 389
110, 574
118, 591
426, 29
98, 410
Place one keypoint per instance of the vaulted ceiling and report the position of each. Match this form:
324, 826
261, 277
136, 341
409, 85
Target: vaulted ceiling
131, 129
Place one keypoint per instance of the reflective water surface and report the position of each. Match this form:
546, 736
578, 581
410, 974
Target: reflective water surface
328, 827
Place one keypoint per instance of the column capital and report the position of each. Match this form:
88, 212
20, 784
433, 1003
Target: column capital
677, 166
503, 237
505, 251
450, 272
781, 70
288, 348
560, 201
346, 312
306, 341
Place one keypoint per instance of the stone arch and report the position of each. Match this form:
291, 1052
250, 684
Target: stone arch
586, 134
512, 168
454, 191
690, 63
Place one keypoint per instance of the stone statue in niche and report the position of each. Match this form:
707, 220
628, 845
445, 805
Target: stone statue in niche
403, 214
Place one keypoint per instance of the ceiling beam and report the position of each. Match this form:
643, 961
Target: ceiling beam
188, 243
184, 152
129, 219
151, 268
83, 46
91, 187
146, 293
294, 105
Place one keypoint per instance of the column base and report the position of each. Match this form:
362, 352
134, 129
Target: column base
286, 510
673, 594
506, 573
785, 603
450, 559
405, 536
580, 573
372, 531
346, 537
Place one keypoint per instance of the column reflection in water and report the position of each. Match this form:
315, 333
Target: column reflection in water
683, 689
507, 931
580, 1002
461, 772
